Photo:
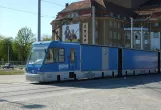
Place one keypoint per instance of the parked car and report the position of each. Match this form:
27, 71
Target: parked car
8, 66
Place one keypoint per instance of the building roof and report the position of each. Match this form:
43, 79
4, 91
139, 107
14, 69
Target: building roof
78, 5
119, 10
100, 5
150, 10
151, 3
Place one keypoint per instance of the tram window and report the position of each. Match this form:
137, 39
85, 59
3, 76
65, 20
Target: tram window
72, 55
55, 54
49, 58
61, 55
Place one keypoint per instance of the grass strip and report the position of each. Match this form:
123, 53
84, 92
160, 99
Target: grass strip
11, 72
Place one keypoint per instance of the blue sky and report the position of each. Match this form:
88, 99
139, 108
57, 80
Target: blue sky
11, 21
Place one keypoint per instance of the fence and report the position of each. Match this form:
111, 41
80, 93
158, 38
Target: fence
17, 64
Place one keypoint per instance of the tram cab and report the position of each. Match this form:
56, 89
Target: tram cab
50, 60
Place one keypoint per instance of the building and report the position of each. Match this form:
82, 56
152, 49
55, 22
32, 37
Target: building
112, 18
134, 4
149, 16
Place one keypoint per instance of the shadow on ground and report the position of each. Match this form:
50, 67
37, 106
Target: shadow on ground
110, 83
27, 106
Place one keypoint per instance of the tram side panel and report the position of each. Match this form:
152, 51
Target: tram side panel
91, 60
139, 62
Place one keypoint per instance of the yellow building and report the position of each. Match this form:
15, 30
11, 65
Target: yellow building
111, 19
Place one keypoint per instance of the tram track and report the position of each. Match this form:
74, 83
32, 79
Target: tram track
6, 85
32, 92
53, 88
23, 89
30, 87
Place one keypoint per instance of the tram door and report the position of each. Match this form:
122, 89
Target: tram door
73, 63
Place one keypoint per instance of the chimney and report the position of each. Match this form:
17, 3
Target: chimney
66, 5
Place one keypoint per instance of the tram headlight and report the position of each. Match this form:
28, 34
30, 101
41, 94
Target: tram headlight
39, 69
34, 72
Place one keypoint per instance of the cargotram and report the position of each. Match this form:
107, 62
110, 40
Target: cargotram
51, 61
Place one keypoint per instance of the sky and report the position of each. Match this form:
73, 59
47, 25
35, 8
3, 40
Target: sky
11, 21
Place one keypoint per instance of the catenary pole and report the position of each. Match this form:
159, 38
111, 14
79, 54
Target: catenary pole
39, 20
132, 32
93, 25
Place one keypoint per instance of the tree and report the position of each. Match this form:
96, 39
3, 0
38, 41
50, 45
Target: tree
23, 42
46, 38
5, 44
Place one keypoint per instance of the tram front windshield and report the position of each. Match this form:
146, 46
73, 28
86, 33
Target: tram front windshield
37, 55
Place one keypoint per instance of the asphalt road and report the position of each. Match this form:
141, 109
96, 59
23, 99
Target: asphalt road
132, 93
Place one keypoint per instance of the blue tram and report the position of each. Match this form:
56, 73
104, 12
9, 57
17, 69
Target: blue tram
58, 61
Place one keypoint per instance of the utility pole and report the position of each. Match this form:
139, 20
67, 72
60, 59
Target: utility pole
39, 20
93, 24
142, 39
8, 53
132, 32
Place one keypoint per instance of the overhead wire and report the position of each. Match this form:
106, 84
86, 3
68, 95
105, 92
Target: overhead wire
52, 3
25, 11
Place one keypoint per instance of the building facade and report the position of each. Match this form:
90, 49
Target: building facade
112, 20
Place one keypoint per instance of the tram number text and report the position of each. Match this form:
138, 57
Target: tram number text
63, 66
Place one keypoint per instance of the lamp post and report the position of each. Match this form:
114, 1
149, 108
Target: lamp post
39, 20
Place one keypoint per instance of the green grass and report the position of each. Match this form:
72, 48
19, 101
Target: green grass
11, 72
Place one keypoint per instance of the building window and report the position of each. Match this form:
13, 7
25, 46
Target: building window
137, 35
111, 14
110, 35
119, 16
146, 46
115, 35
119, 25
119, 36
146, 41
146, 35
156, 24
69, 16
111, 23
115, 24
127, 35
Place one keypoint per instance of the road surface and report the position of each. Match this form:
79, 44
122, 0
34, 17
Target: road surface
132, 93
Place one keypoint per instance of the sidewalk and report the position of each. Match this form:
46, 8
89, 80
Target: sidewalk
4, 79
